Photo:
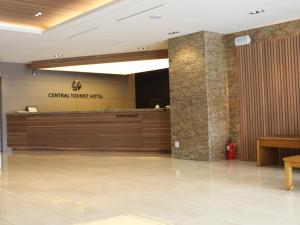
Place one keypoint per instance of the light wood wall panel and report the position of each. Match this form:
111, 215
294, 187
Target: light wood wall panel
269, 75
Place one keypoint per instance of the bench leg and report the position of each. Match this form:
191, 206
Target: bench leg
288, 176
266, 156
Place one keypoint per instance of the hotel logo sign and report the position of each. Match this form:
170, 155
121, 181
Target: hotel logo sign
76, 86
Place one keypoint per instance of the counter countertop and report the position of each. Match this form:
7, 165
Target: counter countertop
96, 111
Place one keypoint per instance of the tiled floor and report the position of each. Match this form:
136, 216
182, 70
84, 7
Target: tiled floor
56, 188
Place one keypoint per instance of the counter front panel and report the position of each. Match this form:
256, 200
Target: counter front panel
126, 131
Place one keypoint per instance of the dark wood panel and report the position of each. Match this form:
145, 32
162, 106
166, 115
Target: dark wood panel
156, 131
269, 92
98, 59
107, 131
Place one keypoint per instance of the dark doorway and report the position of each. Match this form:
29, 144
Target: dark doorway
152, 88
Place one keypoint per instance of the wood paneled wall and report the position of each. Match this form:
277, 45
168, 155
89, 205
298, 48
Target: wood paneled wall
269, 74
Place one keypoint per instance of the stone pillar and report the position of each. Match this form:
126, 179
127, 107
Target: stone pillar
198, 92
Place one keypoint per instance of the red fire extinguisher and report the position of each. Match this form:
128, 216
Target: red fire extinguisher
230, 151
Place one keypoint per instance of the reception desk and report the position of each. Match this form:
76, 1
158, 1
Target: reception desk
119, 131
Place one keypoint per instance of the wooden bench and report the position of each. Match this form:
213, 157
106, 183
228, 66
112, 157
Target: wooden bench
267, 155
289, 164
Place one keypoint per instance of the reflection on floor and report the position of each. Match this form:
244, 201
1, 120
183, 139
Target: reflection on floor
57, 188
126, 220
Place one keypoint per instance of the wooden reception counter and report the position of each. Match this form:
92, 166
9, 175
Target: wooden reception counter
121, 131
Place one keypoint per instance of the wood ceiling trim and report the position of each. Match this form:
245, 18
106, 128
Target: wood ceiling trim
21, 12
98, 59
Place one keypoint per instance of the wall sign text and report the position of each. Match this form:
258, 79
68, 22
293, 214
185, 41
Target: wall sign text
75, 96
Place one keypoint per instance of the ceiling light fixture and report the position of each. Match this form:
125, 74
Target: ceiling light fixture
173, 32
155, 17
38, 14
34, 73
58, 55
257, 12
143, 48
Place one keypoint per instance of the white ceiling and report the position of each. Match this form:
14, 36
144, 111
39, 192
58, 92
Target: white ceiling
108, 35
118, 68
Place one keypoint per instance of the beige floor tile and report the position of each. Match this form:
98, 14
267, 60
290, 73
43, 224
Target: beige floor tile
67, 188
3, 222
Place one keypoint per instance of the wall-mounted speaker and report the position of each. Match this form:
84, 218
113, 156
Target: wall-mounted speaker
243, 40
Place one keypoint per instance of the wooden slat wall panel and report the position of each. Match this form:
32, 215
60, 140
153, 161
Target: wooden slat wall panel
269, 75
106, 131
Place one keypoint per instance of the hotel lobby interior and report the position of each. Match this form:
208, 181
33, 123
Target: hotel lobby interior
150, 112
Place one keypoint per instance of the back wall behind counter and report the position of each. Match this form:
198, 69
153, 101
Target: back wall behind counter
53, 91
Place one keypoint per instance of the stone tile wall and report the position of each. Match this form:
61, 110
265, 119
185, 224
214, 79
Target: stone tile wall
205, 89
216, 95
198, 96
189, 113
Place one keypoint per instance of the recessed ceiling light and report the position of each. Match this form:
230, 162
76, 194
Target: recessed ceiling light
155, 17
58, 55
143, 48
38, 14
173, 32
257, 12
